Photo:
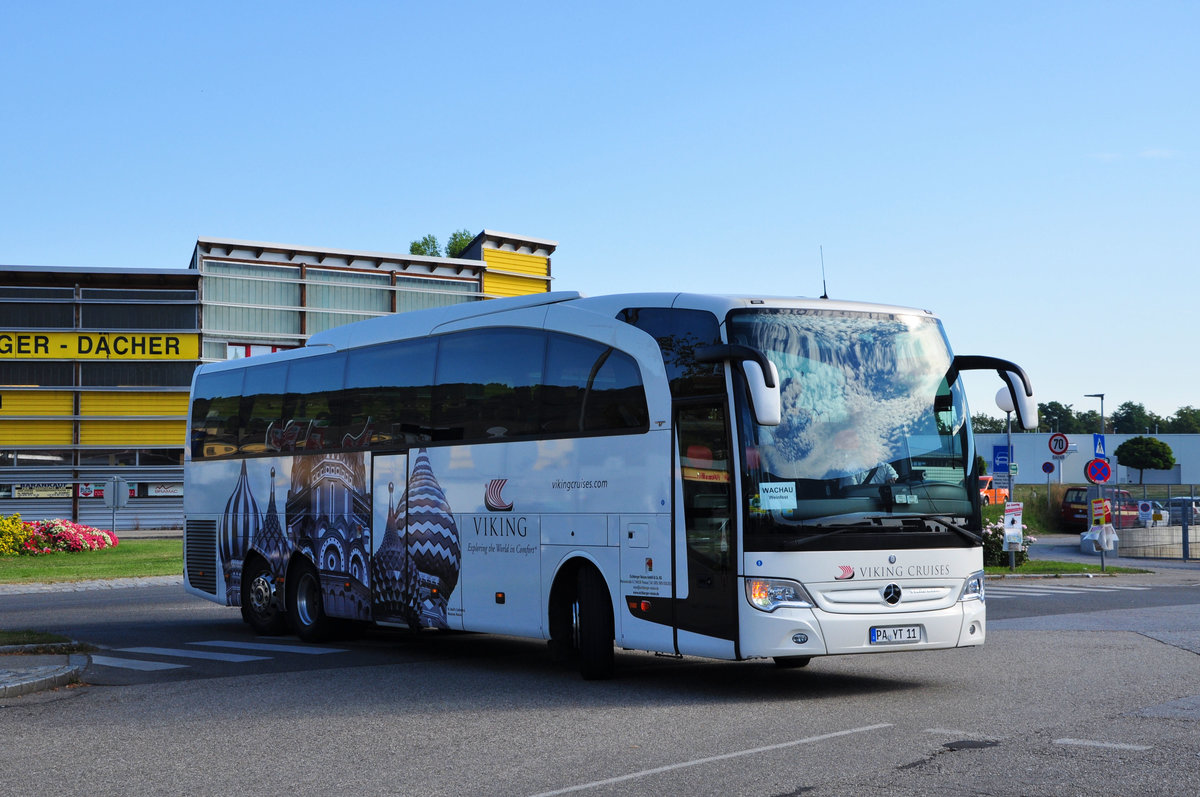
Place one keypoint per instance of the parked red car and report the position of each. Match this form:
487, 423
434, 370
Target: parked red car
1121, 512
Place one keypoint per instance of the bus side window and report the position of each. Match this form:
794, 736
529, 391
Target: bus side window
487, 383
616, 400
387, 398
311, 386
262, 407
215, 414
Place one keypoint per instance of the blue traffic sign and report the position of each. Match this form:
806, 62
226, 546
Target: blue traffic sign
999, 459
1098, 446
1047, 468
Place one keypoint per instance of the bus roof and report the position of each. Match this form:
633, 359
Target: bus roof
417, 323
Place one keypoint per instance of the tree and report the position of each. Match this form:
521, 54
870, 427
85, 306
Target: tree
1186, 420
985, 424
1143, 453
427, 246
459, 240
1088, 422
1132, 418
1056, 417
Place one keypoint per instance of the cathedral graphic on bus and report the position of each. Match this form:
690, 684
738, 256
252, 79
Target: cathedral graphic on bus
407, 577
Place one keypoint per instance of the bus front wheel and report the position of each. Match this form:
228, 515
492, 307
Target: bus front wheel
593, 626
305, 608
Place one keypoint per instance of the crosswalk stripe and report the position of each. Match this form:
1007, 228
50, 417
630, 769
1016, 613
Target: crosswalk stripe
1048, 588
195, 654
269, 647
135, 664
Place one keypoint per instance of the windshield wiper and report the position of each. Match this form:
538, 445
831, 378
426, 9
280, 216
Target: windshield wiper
950, 525
857, 521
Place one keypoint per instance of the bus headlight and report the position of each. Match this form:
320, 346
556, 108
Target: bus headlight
973, 589
768, 594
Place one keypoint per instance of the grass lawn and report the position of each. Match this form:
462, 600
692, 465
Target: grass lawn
1045, 567
129, 558
30, 638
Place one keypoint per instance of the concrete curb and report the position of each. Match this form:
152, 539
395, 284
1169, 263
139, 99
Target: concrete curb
37, 673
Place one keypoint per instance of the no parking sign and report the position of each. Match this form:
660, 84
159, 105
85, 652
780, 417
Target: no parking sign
1097, 471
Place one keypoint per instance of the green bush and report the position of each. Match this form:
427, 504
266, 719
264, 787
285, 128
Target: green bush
994, 554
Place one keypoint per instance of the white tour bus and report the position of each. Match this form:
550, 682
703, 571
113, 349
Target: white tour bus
729, 477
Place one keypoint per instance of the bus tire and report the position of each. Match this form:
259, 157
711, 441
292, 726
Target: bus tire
305, 609
594, 626
260, 607
792, 662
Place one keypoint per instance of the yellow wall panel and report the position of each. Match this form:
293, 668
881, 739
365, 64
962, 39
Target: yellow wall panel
130, 433
534, 265
133, 403
509, 285
51, 402
35, 433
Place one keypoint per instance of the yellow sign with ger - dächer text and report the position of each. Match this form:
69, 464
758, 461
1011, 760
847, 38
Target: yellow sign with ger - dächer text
99, 345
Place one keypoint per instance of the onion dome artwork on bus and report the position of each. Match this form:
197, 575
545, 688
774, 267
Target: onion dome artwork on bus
393, 573
270, 541
432, 538
240, 523
328, 520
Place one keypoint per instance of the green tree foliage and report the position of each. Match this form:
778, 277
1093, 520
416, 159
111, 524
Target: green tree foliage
1132, 418
1129, 418
1056, 417
427, 246
459, 240
1143, 453
1186, 420
985, 423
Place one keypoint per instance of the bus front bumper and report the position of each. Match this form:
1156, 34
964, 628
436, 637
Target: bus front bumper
813, 632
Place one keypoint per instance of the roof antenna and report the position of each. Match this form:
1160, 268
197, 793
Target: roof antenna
824, 290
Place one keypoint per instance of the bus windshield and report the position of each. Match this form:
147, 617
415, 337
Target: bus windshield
872, 440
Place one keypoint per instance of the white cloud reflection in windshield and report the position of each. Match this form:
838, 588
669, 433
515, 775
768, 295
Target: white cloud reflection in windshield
857, 388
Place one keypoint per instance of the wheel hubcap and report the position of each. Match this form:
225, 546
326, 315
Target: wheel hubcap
262, 594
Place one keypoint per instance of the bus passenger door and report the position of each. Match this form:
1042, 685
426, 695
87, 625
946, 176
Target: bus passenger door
394, 582
705, 486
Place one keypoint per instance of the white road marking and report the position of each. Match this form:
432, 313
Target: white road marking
194, 654
269, 647
135, 664
710, 759
1107, 745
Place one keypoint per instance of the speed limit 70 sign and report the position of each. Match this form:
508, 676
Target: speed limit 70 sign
1058, 443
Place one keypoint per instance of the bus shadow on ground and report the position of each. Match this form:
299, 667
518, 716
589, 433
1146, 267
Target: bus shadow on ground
521, 665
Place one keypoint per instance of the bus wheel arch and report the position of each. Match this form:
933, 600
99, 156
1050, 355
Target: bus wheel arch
261, 606
305, 605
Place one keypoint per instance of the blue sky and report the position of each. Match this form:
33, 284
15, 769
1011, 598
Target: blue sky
1027, 170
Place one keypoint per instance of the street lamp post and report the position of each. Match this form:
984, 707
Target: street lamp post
1101, 397
1004, 401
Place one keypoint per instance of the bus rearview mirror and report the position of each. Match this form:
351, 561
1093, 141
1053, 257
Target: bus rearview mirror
765, 402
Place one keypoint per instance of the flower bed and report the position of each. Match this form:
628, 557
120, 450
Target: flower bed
50, 536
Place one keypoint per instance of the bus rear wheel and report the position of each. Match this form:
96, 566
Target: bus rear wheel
306, 611
260, 609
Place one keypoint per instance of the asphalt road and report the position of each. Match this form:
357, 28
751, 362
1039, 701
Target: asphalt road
1084, 690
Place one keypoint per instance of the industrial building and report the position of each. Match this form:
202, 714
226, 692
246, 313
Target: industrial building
96, 363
